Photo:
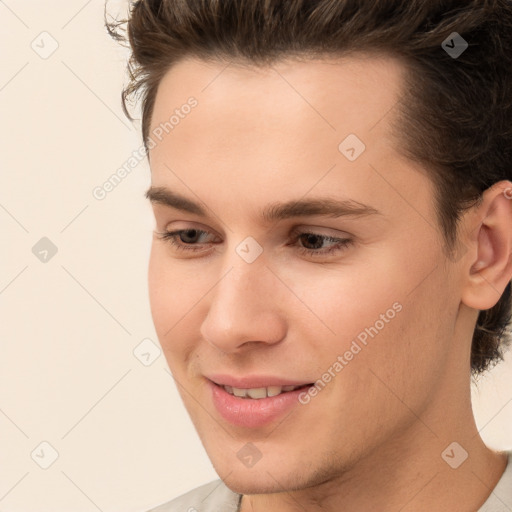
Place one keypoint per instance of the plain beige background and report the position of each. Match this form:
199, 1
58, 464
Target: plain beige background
89, 417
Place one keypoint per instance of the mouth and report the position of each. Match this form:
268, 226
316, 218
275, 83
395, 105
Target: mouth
255, 407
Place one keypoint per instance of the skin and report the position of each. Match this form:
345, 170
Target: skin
372, 439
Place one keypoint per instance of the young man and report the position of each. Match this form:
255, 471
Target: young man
331, 183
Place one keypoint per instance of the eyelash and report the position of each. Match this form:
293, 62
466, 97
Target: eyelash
172, 238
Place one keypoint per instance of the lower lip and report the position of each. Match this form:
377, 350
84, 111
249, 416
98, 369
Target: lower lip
249, 412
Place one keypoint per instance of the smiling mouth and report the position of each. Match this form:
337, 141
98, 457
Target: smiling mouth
255, 407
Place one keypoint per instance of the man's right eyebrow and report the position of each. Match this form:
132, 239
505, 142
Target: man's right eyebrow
166, 197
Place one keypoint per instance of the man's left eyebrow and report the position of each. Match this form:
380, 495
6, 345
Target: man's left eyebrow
322, 206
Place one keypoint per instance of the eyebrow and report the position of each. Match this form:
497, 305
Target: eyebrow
325, 206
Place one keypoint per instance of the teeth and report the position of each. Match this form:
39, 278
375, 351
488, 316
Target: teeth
274, 390
259, 392
239, 392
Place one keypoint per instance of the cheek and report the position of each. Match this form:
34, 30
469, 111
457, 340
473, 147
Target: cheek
342, 301
380, 314
158, 284
167, 295
406, 357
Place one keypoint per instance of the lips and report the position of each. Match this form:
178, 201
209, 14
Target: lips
258, 410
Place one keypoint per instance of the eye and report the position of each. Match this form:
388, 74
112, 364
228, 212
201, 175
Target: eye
316, 240
189, 240
183, 239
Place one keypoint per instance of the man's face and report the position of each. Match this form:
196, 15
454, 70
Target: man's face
254, 297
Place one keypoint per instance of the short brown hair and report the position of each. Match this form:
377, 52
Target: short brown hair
455, 113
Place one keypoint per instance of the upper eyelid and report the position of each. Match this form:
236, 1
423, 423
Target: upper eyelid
296, 231
297, 227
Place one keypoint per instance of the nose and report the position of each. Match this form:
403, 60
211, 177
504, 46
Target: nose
245, 307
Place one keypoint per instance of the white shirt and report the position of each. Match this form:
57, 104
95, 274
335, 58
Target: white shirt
216, 497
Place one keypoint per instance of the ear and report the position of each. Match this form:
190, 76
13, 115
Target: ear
489, 268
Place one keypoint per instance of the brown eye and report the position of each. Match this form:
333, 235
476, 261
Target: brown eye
311, 244
185, 239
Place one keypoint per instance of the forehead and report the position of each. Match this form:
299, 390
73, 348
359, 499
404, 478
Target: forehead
285, 108
340, 93
280, 130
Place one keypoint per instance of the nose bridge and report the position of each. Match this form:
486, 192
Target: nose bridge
241, 291
245, 274
242, 307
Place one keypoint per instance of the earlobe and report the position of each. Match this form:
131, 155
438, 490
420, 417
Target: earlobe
491, 268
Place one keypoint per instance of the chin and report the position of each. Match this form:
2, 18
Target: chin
259, 479
253, 483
